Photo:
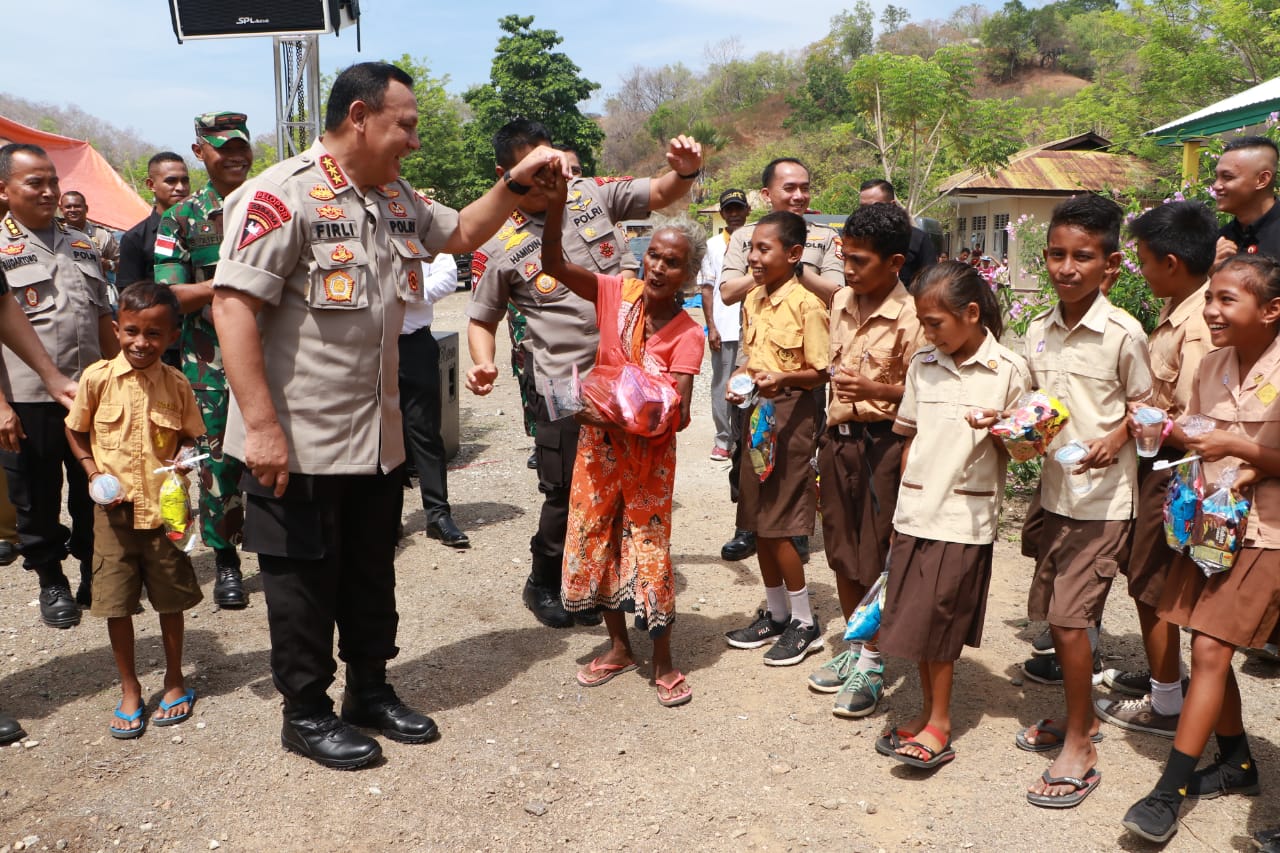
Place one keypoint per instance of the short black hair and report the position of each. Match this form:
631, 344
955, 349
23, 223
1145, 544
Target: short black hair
77, 194
145, 294
7, 152
766, 177
165, 157
879, 184
364, 81
516, 134
1188, 230
1241, 142
884, 225
792, 229
1262, 275
957, 285
1092, 214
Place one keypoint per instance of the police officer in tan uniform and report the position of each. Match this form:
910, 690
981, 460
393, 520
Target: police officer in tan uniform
75, 209
56, 275
321, 253
785, 186
561, 326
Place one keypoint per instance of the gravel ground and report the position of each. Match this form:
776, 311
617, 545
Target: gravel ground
529, 760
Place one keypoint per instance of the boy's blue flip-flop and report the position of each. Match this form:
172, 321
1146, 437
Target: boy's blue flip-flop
189, 697
128, 734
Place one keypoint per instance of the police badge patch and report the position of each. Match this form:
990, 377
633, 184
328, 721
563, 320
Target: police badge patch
339, 287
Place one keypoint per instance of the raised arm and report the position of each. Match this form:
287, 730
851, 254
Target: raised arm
580, 280
481, 219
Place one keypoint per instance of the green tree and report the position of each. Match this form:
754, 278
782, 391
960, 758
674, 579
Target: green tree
527, 79
821, 97
439, 166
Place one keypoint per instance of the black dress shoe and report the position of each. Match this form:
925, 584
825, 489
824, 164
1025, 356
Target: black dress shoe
84, 595
381, 709
10, 729
447, 532
327, 740
741, 546
590, 618
228, 589
545, 605
532, 463
57, 608
8, 552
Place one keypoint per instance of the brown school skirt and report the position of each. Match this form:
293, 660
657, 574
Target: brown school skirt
785, 503
860, 473
936, 599
1240, 606
1150, 558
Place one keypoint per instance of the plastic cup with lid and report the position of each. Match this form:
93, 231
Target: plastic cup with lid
745, 387
1069, 457
104, 489
1150, 421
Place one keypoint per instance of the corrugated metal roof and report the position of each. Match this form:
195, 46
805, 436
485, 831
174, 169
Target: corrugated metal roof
1041, 170
1252, 106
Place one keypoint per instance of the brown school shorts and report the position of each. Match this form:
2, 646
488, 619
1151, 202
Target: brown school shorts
860, 471
1150, 558
1077, 562
125, 560
785, 503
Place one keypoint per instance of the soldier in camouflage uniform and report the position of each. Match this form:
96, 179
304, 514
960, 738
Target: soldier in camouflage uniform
186, 255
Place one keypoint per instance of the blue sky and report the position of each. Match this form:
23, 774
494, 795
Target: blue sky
119, 59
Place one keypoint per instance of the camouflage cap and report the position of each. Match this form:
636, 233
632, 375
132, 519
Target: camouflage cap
217, 128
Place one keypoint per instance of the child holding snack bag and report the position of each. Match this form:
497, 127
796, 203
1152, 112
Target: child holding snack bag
1237, 387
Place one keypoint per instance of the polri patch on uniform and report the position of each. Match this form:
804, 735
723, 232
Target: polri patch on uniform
258, 221
413, 282
331, 211
341, 254
281, 209
339, 286
479, 260
544, 284
321, 193
13, 248
398, 210
333, 172
32, 297
81, 244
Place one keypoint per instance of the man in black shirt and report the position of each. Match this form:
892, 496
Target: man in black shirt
920, 253
167, 178
1244, 185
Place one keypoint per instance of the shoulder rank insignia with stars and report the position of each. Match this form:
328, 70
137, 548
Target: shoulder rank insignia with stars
12, 227
333, 172
518, 218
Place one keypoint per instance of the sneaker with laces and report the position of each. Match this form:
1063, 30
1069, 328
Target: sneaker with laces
1137, 715
1045, 669
795, 644
832, 675
759, 633
1221, 778
719, 454
860, 694
1128, 682
1155, 817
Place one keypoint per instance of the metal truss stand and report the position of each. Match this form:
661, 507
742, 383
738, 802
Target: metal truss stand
298, 109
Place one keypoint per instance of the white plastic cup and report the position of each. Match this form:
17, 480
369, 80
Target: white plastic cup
745, 387
1069, 458
1150, 421
104, 489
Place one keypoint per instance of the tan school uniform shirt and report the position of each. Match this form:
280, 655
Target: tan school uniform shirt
821, 251
878, 346
1178, 344
1247, 405
784, 331
136, 419
333, 268
63, 293
953, 484
508, 268
1096, 369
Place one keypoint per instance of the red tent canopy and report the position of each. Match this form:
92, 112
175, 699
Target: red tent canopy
112, 202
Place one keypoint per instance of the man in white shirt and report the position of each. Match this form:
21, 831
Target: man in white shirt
420, 401
722, 322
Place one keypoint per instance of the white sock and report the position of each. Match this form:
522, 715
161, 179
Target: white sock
855, 649
775, 598
800, 609
1166, 698
870, 660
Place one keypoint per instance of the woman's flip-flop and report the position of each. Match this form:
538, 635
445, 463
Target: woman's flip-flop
189, 697
597, 673
128, 734
888, 743
937, 757
675, 680
1046, 727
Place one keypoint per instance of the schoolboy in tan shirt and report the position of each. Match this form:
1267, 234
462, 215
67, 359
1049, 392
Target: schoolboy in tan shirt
874, 332
134, 414
1093, 357
1176, 249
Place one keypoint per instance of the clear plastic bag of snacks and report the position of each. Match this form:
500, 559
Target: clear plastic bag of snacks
175, 505
1032, 425
1181, 502
764, 439
1220, 526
